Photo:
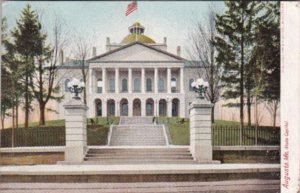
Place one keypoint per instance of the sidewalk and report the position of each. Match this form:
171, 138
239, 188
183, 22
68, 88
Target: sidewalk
137, 169
240, 186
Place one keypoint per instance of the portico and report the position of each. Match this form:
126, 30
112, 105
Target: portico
136, 80
145, 91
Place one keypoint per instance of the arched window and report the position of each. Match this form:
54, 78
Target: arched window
161, 85
137, 85
99, 85
124, 85
173, 84
112, 85
66, 85
190, 84
149, 84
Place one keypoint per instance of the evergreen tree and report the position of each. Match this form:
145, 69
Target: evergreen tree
266, 58
28, 41
5, 92
6, 102
12, 64
235, 27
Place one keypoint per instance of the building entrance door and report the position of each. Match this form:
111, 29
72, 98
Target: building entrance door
124, 107
136, 107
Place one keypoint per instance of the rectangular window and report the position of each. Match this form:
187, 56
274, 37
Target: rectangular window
112, 85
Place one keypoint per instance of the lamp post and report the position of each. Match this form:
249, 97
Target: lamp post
76, 86
200, 86
200, 124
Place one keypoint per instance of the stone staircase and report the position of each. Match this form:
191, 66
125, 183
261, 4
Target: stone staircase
136, 120
137, 131
136, 140
137, 135
161, 155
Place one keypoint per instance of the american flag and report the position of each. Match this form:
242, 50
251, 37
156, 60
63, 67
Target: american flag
131, 7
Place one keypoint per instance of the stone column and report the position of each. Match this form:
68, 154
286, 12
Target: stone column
104, 80
130, 108
129, 80
169, 107
155, 108
94, 81
117, 105
76, 138
90, 81
169, 80
182, 108
143, 80
104, 108
155, 80
200, 130
181, 80
116, 80
143, 107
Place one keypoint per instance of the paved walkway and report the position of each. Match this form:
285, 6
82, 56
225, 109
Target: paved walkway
240, 186
139, 168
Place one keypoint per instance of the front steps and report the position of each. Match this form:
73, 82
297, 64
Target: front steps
137, 135
142, 155
136, 120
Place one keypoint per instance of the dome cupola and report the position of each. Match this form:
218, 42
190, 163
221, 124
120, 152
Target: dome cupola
137, 34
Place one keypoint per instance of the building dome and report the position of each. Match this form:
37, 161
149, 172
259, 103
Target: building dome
137, 34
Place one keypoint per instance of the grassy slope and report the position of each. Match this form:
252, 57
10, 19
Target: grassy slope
61, 122
41, 135
180, 132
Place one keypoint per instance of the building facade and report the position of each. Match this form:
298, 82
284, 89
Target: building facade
137, 77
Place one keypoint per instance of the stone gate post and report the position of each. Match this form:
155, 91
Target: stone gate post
76, 134
200, 130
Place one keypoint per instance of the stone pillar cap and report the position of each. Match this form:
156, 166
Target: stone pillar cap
201, 103
75, 104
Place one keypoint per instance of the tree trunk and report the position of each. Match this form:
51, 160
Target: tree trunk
274, 115
213, 114
249, 107
242, 84
256, 119
84, 77
84, 95
2, 121
42, 114
13, 117
13, 128
17, 114
26, 100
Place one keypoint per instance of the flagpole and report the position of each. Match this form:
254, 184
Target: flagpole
136, 19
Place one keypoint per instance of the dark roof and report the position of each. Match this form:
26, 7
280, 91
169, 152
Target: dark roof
131, 44
73, 64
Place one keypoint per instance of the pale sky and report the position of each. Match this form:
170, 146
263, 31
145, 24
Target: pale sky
98, 20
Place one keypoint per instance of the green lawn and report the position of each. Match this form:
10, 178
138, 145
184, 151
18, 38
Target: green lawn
61, 122
53, 133
225, 133
180, 131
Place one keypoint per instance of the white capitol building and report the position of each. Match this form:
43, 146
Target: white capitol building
140, 77
137, 77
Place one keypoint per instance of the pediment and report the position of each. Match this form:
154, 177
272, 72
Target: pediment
136, 52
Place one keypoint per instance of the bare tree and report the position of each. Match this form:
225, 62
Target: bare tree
273, 106
202, 54
82, 52
45, 86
